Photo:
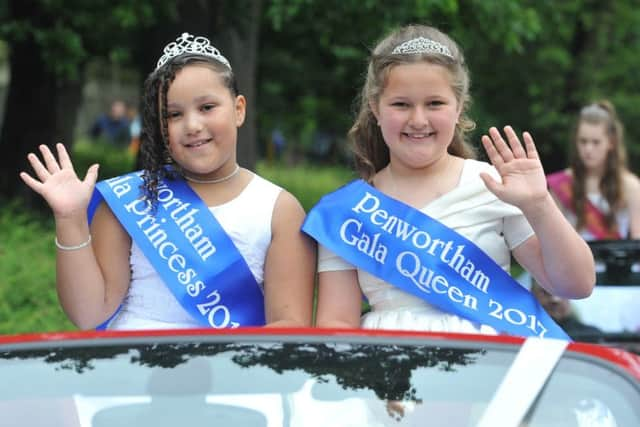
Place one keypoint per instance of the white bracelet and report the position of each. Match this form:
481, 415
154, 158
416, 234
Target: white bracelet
72, 248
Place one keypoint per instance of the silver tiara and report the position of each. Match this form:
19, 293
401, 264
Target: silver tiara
595, 111
422, 45
188, 43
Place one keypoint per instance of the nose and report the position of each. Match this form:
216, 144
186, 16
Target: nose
193, 124
419, 118
588, 147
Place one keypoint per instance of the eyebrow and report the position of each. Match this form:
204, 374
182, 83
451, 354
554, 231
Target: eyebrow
203, 98
197, 100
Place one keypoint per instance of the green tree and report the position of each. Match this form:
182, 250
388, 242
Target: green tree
52, 41
50, 44
315, 52
583, 50
533, 63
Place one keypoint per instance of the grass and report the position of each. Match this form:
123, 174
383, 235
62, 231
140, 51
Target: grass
28, 299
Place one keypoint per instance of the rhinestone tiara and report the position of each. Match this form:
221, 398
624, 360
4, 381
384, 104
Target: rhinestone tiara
188, 43
422, 45
594, 110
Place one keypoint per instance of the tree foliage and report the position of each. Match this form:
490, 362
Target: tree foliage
52, 41
533, 64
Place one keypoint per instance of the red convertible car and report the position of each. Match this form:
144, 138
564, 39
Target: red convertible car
313, 377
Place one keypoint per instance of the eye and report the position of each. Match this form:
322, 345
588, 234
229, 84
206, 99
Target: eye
207, 107
171, 115
400, 104
435, 103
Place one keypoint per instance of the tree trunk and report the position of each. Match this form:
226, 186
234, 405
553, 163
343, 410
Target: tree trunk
39, 110
242, 47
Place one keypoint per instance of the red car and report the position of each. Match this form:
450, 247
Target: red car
313, 377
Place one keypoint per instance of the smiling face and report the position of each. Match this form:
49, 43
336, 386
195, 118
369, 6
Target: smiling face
417, 114
203, 117
593, 145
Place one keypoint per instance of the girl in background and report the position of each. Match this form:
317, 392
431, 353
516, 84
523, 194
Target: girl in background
601, 198
597, 193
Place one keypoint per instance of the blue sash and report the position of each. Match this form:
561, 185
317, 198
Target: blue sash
423, 257
188, 248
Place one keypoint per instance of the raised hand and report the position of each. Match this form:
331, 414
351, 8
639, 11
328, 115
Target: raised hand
523, 179
58, 183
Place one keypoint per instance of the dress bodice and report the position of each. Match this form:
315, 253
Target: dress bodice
472, 211
246, 219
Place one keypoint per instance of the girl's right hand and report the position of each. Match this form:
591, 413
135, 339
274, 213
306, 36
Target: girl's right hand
58, 183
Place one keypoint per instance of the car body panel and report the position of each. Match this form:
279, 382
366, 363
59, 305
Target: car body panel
262, 376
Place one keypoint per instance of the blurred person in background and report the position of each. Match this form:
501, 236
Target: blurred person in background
600, 196
114, 126
135, 129
597, 193
560, 310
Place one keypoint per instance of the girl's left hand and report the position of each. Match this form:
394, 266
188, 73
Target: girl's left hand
523, 180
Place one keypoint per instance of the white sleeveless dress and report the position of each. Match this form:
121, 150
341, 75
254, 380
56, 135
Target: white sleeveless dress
474, 212
149, 304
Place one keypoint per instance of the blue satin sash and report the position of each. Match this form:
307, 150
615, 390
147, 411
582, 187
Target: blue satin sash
418, 254
188, 248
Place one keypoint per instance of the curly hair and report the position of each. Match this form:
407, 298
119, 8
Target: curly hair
154, 138
370, 151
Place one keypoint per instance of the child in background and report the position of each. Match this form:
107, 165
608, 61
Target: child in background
194, 239
376, 235
113, 127
598, 193
600, 197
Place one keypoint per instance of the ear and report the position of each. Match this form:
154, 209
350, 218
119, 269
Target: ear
241, 110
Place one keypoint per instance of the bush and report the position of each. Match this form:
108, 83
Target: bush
308, 183
113, 160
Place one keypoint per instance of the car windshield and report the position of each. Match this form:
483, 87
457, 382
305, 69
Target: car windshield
293, 383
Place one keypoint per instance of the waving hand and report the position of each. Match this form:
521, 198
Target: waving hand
58, 183
523, 179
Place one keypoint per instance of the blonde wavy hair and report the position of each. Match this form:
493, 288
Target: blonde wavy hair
370, 151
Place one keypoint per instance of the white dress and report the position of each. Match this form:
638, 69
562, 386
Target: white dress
474, 212
149, 304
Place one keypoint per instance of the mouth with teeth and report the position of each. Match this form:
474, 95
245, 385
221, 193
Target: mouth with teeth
420, 135
196, 144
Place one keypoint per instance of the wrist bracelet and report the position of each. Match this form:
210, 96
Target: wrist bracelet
72, 248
